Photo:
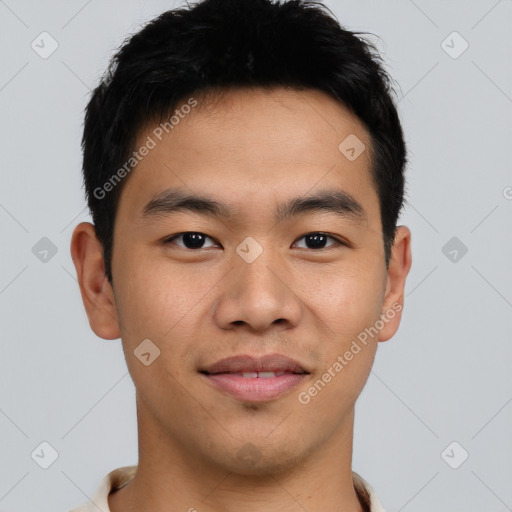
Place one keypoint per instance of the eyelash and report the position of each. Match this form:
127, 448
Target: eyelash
338, 241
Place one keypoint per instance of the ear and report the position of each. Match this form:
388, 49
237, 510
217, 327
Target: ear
97, 293
399, 266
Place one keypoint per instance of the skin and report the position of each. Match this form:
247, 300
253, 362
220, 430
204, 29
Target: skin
253, 150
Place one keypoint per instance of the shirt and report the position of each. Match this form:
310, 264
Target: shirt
120, 477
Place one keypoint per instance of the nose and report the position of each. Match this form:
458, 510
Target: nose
258, 295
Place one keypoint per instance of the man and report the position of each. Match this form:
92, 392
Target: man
244, 167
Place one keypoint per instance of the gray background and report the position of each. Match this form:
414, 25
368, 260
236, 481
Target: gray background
444, 377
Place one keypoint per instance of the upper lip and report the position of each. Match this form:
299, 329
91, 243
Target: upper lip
247, 363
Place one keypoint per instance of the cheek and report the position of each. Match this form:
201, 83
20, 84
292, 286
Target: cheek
346, 300
153, 299
154, 304
347, 310
347, 305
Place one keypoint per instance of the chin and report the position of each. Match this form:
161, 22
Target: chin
260, 461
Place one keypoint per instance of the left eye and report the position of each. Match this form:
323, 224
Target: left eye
196, 240
317, 240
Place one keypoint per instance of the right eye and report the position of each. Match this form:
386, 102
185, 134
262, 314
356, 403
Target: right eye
190, 239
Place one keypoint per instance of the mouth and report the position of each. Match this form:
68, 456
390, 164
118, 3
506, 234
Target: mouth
255, 379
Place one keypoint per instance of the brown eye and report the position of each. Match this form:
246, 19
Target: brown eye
190, 240
318, 240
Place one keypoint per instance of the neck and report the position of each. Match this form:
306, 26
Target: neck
173, 477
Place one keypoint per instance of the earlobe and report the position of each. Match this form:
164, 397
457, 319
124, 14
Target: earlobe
399, 266
96, 291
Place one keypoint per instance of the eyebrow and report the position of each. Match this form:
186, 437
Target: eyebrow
334, 201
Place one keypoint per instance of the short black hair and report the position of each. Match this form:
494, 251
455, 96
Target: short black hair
220, 44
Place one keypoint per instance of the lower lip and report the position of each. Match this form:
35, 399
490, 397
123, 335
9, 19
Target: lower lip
255, 389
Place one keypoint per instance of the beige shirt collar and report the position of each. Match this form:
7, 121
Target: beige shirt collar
121, 476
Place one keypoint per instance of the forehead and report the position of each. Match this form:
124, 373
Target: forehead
267, 124
249, 146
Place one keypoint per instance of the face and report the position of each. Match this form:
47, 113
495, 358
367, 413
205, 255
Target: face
283, 257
